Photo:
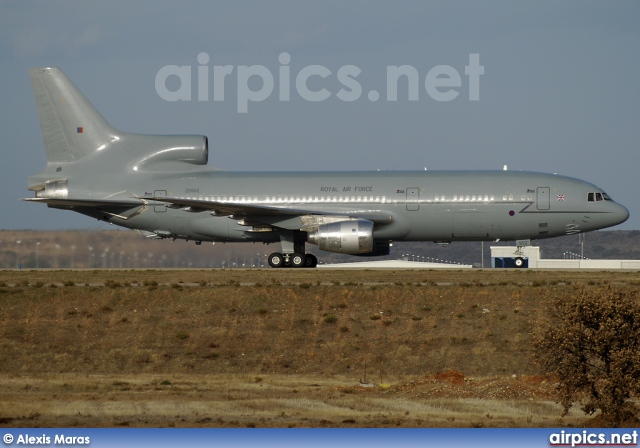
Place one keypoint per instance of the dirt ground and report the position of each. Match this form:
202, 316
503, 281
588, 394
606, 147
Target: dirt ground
446, 400
258, 348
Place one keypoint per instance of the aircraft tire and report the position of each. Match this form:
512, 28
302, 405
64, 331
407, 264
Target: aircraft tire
298, 260
518, 262
312, 261
276, 260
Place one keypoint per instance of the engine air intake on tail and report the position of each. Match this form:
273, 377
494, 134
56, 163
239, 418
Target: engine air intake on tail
193, 149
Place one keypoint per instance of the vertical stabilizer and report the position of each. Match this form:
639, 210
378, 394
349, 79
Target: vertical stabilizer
71, 127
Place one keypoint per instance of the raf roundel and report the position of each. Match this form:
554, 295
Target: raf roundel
511, 213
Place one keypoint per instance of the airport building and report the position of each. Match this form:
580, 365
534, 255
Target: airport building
530, 257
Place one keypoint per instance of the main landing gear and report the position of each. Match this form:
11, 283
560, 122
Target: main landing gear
295, 260
293, 256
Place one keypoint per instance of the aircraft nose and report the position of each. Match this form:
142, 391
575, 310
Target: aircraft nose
620, 214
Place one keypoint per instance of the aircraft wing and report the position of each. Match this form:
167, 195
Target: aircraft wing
88, 202
254, 212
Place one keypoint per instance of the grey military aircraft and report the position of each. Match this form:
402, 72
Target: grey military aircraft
161, 186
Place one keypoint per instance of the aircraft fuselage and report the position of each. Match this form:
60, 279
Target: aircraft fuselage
425, 205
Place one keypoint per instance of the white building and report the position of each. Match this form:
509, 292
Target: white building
529, 256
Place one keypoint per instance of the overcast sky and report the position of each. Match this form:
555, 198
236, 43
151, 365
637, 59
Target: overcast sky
560, 90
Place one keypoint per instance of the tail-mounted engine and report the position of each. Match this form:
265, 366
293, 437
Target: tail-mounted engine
344, 237
193, 149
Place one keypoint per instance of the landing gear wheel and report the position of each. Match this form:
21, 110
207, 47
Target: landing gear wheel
518, 262
312, 261
298, 260
276, 260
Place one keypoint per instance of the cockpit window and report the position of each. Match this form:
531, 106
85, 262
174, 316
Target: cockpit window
598, 196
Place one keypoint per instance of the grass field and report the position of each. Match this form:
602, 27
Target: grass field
244, 348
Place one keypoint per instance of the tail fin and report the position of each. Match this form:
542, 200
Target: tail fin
71, 127
76, 136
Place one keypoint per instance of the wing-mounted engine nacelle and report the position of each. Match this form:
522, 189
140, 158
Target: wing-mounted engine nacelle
344, 237
380, 249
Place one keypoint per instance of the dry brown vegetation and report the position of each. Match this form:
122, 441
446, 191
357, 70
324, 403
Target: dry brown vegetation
279, 348
594, 353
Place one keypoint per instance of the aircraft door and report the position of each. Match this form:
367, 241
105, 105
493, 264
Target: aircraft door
157, 207
542, 198
413, 197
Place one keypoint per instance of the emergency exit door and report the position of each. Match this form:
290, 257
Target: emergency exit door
413, 199
157, 206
